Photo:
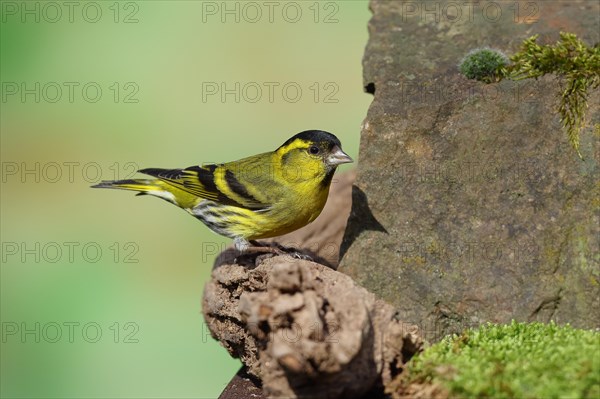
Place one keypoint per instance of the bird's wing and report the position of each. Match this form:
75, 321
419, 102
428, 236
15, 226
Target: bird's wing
211, 182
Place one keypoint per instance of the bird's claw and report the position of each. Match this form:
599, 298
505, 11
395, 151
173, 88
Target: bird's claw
299, 255
259, 251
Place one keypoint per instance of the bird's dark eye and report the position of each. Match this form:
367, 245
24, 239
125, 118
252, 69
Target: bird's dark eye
313, 150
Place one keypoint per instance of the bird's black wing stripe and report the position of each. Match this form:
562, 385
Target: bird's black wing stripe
238, 188
188, 179
206, 176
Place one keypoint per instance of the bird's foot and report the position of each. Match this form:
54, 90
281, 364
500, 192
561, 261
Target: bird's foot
279, 249
266, 250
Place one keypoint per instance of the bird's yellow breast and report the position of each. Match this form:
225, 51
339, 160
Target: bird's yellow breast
301, 204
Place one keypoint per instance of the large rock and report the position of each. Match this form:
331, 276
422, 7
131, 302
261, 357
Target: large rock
470, 205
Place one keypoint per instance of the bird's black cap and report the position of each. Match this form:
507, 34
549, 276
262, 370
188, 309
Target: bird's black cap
315, 136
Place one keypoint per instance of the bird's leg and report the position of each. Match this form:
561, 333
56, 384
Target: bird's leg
252, 249
276, 248
246, 247
241, 244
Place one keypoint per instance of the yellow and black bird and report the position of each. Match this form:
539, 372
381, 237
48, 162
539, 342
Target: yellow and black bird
262, 196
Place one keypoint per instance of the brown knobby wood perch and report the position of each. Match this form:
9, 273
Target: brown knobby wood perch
302, 328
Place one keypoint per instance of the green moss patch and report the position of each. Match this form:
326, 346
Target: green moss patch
519, 360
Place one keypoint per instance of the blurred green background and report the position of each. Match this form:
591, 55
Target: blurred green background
101, 291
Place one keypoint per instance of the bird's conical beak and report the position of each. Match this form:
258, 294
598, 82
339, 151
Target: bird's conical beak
337, 157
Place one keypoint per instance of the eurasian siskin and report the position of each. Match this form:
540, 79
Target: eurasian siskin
265, 195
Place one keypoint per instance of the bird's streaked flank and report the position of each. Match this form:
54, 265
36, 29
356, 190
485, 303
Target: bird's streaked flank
261, 196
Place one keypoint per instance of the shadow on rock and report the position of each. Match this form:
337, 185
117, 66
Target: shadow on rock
361, 219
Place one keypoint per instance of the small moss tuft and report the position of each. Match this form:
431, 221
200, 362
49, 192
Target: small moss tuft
570, 59
483, 64
519, 360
